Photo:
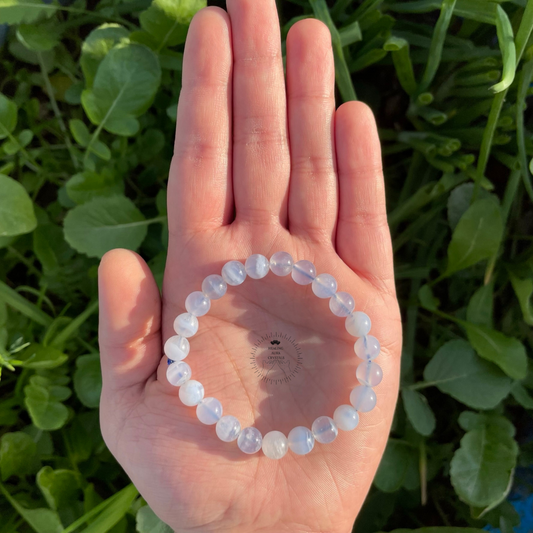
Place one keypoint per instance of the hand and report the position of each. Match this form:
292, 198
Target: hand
257, 169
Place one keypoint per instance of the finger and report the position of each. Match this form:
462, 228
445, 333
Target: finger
311, 95
261, 163
199, 189
363, 238
130, 321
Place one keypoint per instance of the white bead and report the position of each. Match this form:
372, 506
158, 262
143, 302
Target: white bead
186, 325
209, 411
367, 347
324, 286
233, 273
358, 324
281, 263
301, 440
250, 440
178, 373
214, 286
363, 398
324, 429
369, 373
177, 348
275, 445
197, 303
341, 304
257, 266
303, 272
228, 428
191, 392
346, 417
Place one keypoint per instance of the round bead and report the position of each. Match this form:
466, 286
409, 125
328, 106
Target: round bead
363, 398
324, 429
177, 348
369, 373
301, 440
178, 373
358, 324
281, 263
346, 417
367, 347
250, 440
324, 286
257, 266
233, 273
186, 325
228, 428
275, 445
197, 303
303, 272
341, 304
209, 411
214, 286
191, 392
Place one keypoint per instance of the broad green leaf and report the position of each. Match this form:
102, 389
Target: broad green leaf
476, 237
124, 87
521, 395
79, 131
523, 288
99, 149
460, 199
507, 352
44, 406
88, 380
427, 300
39, 38
39, 356
16, 209
481, 468
50, 247
42, 520
394, 465
148, 522
14, 145
479, 310
418, 412
20, 11
87, 185
456, 370
60, 488
8, 116
102, 224
18, 455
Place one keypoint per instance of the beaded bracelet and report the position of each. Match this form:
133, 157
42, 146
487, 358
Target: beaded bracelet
275, 444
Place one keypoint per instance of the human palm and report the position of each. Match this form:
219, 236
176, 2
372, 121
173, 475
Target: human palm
257, 169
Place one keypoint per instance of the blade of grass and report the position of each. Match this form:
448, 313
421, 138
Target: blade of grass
350, 34
399, 49
524, 80
508, 49
18, 302
524, 30
73, 326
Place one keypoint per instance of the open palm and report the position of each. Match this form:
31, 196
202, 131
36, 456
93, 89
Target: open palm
258, 168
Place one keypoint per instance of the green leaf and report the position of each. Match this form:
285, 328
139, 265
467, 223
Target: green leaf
481, 469
44, 404
523, 288
521, 395
8, 116
508, 49
102, 224
38, 38
394, 465
124, 87
479, 310
79, 131
148, 522
18, 455
460, 199
507, 352
476, 237
456, 370
60, 488
88, 380
99, 149
87, 185
16, 208
418, 412
427, 300
39, 356
19, 11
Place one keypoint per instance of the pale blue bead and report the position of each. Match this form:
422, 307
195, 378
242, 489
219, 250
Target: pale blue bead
324, 429
233, 273
186, 325
363, 398
358, 324
324, 286
275, 445
346, 417
369, 373
341, 304
177, 348
209, 411
197, 303
214, 286
301, 440
303, 272
367, 347
178, 373
281, 263
228, 428
257, 266
250, 440
191, 392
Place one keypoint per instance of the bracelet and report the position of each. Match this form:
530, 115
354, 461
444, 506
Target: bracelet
275, 444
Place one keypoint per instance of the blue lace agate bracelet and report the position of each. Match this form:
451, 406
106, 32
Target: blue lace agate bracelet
275, 444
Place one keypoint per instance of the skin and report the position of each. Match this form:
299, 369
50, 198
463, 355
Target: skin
261, 165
